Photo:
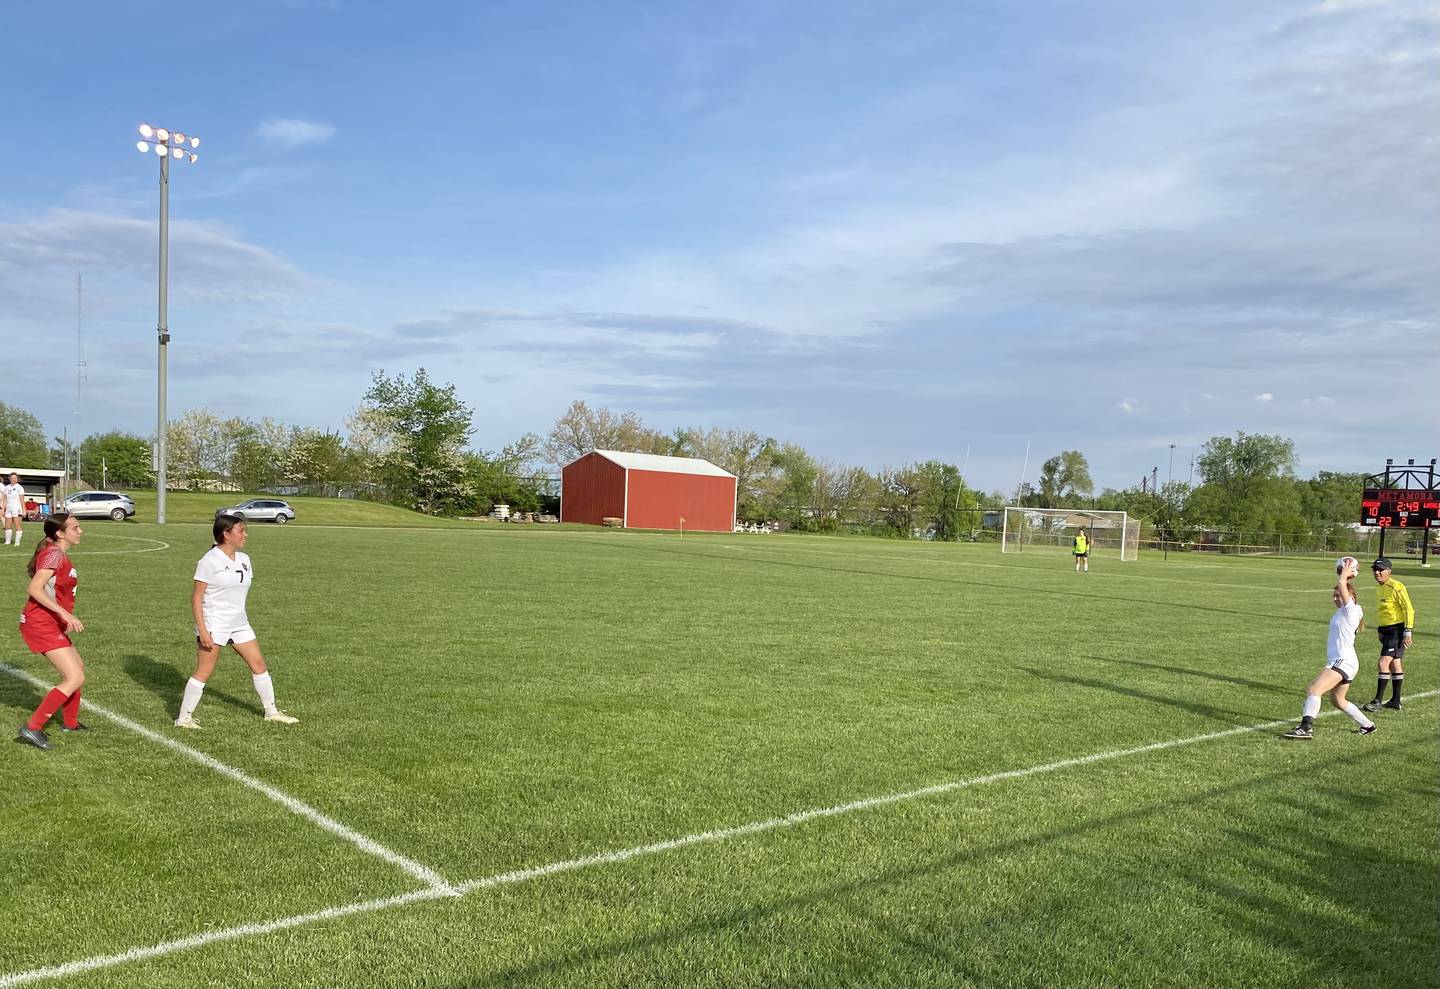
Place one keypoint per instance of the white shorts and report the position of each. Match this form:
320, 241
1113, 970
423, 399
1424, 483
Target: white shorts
1347, 668
230, 637
14, 513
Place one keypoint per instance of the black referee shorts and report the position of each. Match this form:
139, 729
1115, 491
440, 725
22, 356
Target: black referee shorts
1392, 641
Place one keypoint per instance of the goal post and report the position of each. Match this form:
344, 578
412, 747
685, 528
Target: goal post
1053, 529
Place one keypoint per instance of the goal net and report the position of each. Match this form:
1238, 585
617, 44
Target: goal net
1054, 529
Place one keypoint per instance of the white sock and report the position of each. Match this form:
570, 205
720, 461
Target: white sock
1356, 715
193, 690
18, 534
1312, 705
8, 534
265, 687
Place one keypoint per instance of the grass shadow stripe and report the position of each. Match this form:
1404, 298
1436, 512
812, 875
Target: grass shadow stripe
416, 870
518, 876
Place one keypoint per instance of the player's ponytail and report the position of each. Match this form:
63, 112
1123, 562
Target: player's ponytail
54, 525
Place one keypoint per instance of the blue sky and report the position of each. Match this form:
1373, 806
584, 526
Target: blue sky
886, 231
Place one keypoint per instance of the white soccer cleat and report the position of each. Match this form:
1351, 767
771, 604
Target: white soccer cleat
280, 717
187, 722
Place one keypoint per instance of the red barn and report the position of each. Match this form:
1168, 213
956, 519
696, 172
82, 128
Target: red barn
648, 492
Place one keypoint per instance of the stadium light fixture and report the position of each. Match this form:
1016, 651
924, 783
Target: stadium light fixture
166, 144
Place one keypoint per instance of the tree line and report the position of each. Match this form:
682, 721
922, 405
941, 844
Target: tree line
407, 443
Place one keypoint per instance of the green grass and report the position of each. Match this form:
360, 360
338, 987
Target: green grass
486, 699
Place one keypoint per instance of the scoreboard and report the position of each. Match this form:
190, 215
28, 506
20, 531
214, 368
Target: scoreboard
1400, 508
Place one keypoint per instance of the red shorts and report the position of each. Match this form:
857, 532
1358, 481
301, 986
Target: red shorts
43, 636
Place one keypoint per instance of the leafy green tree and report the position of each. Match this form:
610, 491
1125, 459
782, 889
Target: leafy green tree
117, 459
793, 485
949, 506
425, 467
22, 439
1248, 486
843, 497
1064, 480
316, 460
905, 495
508, 477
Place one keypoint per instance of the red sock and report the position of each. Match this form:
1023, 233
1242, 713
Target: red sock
71, 710
53, 702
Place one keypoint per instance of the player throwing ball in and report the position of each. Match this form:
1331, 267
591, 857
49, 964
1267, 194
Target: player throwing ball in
222, 581
47, 622
1342, 664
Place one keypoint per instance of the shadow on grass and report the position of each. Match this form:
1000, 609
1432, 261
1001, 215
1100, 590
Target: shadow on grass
168, 683
1335, 908
1273, 688
19, 697
1191, 707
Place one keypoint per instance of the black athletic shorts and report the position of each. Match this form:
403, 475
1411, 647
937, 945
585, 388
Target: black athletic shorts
1392, 641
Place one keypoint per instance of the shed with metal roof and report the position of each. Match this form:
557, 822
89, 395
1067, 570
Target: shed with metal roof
648, 491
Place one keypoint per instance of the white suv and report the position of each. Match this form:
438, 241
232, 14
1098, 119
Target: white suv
99, 505
261, 509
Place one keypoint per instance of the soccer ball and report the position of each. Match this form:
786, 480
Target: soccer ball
1347, 567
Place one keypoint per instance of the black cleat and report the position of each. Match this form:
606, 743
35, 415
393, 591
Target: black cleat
1306, 733
1391, 706
1372, 706
79, 726
33, 736
1366, 731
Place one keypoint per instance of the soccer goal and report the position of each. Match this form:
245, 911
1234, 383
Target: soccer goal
1054, 529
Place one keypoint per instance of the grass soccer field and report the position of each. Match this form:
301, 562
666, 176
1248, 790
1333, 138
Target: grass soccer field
615, 759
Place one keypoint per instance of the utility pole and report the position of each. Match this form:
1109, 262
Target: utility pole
79, 363
1169, 479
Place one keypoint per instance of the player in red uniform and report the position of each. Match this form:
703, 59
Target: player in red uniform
47, 622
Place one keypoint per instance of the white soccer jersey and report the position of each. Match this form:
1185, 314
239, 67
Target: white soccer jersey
227, 582
1343, 626
14, 498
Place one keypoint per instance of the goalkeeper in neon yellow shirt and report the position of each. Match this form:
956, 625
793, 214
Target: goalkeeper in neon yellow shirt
1395, 617
1082, 551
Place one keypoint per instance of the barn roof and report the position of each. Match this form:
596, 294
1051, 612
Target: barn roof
652, 461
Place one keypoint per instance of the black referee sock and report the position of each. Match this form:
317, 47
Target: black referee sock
1396, 679
1380, 687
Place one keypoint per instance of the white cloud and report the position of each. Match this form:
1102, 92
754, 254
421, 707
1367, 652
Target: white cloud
1127, 406
293, 132
208, 261
1264, 396
1207, 396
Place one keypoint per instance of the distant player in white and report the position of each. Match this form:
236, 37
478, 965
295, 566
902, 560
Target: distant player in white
1341, 666
13, 493
222, 581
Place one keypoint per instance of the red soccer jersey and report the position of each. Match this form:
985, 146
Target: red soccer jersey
61, 584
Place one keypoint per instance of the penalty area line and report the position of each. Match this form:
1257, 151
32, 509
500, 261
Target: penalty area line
517, 876
432, 879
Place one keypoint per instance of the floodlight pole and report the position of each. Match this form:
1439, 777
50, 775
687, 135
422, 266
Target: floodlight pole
162, 334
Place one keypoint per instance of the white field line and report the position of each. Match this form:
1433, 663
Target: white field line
608, 858
119, 552
429, 877
164, 948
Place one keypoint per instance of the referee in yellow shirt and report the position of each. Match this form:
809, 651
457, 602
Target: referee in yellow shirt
1395, 617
